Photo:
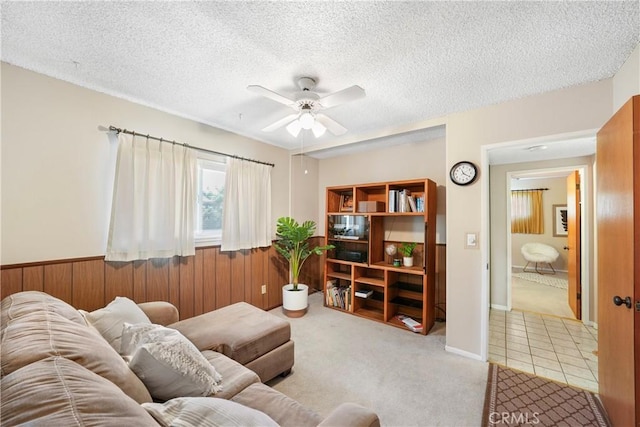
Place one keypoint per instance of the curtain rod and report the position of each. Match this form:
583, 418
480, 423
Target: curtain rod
533, 189
130, 132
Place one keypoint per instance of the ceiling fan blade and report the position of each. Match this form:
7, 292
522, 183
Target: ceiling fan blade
333, 126
280, 123
271, 95
340, 97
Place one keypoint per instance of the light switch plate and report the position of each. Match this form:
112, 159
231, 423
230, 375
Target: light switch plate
471, 241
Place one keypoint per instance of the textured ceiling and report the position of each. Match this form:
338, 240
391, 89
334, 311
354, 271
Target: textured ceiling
415, 60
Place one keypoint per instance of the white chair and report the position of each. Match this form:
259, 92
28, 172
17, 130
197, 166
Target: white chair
539, 253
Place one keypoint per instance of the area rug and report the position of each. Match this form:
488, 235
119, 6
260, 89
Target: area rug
545, 279
515, 398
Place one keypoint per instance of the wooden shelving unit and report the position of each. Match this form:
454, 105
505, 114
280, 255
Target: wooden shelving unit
359, 261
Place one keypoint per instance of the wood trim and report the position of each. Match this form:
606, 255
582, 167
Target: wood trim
211, 279
49, 262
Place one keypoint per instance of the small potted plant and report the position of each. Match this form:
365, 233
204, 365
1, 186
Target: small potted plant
406, 249
293, 245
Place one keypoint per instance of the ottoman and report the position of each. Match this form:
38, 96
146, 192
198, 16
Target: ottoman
250, 336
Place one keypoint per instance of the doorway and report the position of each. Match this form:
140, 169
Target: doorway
541, 288
502, 160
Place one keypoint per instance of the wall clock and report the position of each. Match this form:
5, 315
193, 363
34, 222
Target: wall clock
463, 173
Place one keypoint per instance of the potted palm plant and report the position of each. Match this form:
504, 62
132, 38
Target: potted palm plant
406, 249
293, 245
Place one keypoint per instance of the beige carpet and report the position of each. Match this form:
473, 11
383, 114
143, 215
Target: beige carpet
517, 398
407, 378
539, 298
545, 279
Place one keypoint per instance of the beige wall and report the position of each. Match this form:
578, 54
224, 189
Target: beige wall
304, 189
400, 162
58, 168
626, 82
575, 109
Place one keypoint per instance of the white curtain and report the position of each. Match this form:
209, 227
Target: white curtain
247, 206
154, 198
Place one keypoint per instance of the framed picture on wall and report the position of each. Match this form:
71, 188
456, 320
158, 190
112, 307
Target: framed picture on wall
560, 225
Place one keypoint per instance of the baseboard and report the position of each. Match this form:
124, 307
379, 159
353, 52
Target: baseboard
463, 353
591, 323
499, 307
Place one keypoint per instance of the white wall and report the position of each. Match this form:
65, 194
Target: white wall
57, 167
575, 109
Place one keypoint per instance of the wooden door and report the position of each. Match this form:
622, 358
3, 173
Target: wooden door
573, 244
617, 222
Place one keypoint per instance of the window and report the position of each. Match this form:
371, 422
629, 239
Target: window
211, 177
526, 212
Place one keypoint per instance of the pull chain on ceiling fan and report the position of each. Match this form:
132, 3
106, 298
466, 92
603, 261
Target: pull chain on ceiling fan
307, 106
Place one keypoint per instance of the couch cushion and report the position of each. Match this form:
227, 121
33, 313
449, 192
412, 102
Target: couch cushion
40, 335
240, 331
58, 392
110, 319
168, 363
282, 409
206, 412
22, 303
235, 377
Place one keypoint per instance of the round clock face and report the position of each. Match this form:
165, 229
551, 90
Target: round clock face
463, 173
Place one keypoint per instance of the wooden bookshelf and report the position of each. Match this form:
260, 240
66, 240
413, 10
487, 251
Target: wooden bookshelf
359, 261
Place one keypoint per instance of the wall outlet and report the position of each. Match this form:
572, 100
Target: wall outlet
264, 289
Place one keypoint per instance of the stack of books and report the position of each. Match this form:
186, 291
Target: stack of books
410, 323
338, 296
404, 201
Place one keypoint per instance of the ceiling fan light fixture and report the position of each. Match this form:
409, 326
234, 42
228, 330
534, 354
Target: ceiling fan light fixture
318, 129
306, 120
294, 128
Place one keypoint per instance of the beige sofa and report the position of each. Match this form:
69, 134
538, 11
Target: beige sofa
116, 366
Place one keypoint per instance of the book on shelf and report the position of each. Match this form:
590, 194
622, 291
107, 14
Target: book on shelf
412, 203
410, 323
403, 201
393, 200
364, 293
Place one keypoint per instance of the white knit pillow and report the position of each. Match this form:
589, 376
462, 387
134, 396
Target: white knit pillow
168, 363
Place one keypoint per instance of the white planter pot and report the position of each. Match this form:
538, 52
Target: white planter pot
295, 303
407, 261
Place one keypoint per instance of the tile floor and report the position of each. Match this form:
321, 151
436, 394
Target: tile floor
560, 349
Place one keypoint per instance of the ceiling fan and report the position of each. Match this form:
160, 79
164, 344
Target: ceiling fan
307, 106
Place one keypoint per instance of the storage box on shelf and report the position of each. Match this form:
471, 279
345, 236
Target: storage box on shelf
360, 277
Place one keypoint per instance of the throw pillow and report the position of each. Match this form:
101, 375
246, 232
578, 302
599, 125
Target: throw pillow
206, 412
134, 335
168, 364
110, 319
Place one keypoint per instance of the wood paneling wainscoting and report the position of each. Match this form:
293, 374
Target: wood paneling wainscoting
211, 279
441, 282
197, 284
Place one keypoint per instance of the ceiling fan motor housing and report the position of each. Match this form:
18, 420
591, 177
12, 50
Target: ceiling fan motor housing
306, 83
